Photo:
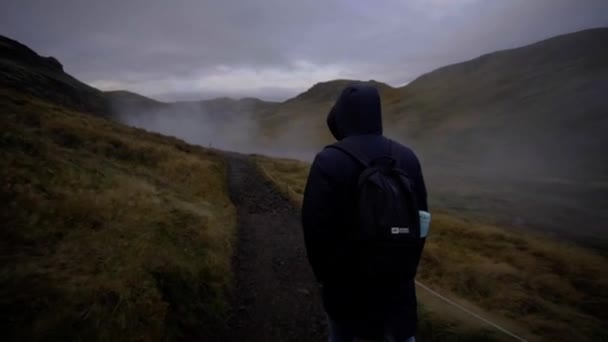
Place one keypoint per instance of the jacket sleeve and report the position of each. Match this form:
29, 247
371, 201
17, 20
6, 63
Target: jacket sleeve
318, 217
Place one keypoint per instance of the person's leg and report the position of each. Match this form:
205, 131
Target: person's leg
339, 332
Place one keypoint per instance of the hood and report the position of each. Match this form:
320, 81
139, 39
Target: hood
356, 112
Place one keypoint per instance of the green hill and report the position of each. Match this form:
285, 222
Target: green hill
104, 234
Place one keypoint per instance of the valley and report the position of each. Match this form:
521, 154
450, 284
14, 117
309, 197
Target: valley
515, 135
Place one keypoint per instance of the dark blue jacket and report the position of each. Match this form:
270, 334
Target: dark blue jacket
328, 211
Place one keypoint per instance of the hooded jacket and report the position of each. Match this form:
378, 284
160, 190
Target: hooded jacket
328, 212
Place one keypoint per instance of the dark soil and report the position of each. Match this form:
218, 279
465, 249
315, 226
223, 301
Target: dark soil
275, 297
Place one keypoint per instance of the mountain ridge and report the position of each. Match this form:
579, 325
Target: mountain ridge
13, 51
600, 33
23, 69
439, 101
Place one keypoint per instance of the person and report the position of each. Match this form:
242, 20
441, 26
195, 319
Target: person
356, 306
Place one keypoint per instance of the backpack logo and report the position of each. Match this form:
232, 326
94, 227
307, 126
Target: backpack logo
400, 230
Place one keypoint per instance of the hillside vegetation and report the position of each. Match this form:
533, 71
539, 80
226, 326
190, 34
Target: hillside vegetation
523, 112
555, 290
108, 232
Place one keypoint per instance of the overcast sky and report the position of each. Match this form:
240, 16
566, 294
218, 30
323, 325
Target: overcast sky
274, 49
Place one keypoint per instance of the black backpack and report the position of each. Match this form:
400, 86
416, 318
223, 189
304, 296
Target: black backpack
386, 235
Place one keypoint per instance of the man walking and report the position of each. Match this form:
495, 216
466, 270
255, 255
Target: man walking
362, 211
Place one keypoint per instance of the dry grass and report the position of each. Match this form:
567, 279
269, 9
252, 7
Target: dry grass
555, 290
559, 291
108, 232
287, 174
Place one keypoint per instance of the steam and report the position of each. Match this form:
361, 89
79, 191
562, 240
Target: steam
234, 125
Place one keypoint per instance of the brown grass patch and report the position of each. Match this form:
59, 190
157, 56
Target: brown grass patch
109, 232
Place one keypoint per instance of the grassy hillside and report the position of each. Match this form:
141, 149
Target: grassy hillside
535, 111
108, 232
524, 112
515, 135
554, 290
541, 105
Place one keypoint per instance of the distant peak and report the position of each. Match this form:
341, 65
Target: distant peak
329, 90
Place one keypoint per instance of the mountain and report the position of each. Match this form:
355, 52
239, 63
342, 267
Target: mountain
23, 69
537, 106
540, 105
517, 134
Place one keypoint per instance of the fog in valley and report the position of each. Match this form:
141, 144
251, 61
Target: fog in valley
498, 176
237, 131
197, 126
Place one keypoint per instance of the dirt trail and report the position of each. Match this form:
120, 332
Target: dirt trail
275, 298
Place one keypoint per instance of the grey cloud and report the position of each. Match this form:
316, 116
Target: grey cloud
149, 44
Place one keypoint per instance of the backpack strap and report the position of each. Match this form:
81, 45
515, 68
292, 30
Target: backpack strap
346, 147
350, 151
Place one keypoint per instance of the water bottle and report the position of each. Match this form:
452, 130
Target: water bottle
425, 223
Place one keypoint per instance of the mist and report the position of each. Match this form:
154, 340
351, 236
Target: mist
195, 126
224, 124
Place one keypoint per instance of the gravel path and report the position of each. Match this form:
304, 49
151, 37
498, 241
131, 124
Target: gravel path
275, 298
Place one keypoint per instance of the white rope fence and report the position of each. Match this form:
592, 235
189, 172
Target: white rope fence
470, 312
